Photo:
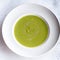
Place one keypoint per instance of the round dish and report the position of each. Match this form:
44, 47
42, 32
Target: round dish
33, 9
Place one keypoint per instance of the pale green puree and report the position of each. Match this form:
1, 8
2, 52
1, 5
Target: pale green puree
31, 31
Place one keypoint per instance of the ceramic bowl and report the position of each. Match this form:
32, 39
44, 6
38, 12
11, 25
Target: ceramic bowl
27, 9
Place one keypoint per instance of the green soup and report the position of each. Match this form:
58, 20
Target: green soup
31, 31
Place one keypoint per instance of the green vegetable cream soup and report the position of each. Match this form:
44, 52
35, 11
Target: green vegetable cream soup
31, 31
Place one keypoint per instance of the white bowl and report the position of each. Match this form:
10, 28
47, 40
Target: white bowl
27, 9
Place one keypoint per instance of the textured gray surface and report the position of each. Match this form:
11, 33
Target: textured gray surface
8, 5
